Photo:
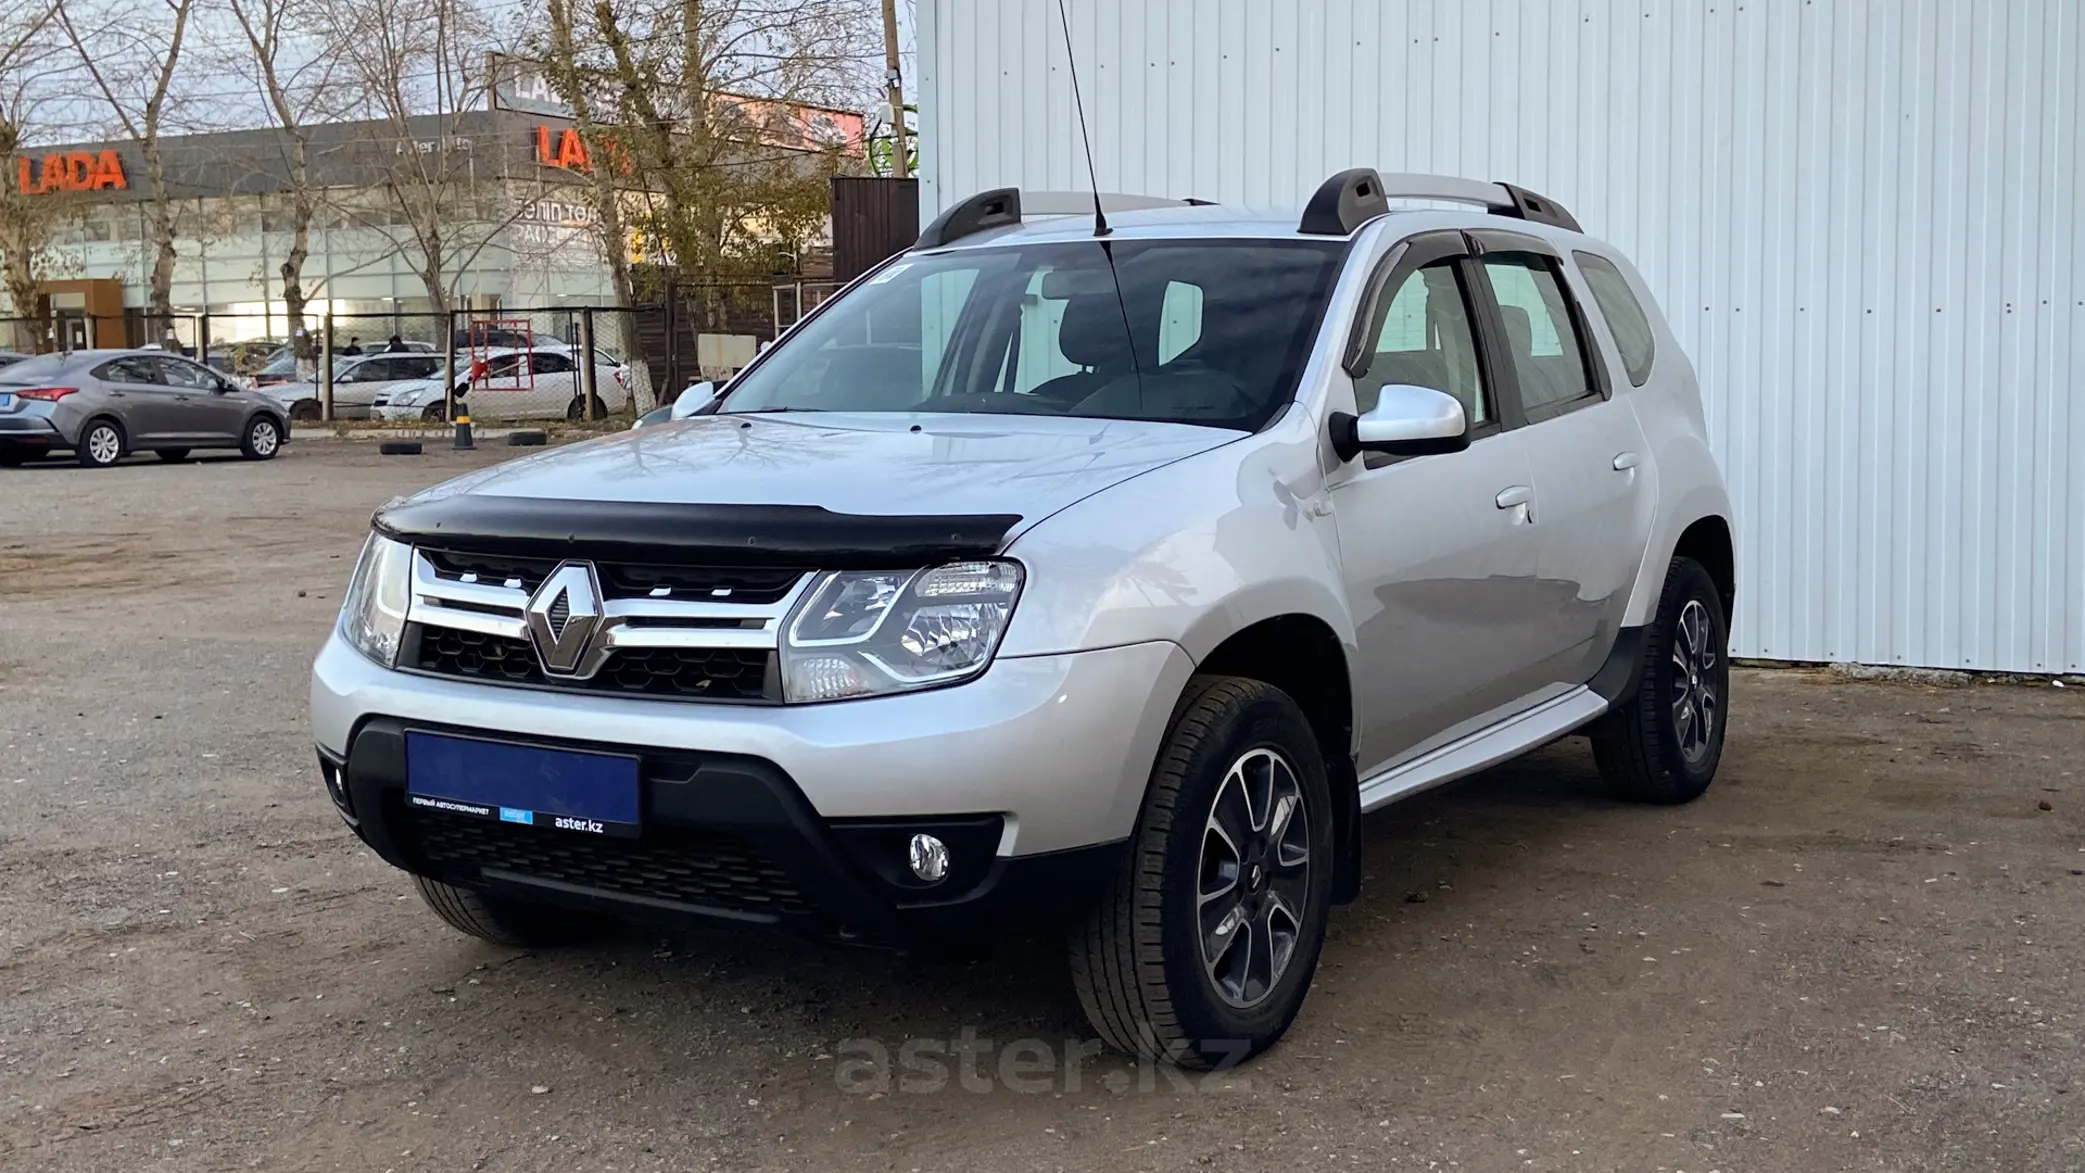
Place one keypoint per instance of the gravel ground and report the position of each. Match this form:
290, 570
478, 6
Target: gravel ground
1857, 952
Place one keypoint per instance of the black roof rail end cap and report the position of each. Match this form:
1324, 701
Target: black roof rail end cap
1539, 209
997, 208
1344, 202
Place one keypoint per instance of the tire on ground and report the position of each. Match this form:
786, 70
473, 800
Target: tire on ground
507, 922
262, 438
527, 438
1137, 961
1638, 744
88, 431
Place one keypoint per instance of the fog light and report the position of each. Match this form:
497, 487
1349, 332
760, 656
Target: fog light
929, 858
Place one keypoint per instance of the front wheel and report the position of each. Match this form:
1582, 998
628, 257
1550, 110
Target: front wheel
1202, 947
306, 411
1662, 742
263, 438
504, 921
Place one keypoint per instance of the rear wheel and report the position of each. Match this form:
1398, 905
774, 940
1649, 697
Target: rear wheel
505, 921
172, 455
1201, 949
101, 444
1662, 742
576, 410
263, 438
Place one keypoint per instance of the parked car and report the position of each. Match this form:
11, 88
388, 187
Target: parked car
359, 381
9, 357
1044, 581
104, 404
515, 384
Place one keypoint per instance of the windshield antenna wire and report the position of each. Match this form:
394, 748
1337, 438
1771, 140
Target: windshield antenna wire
1100, 218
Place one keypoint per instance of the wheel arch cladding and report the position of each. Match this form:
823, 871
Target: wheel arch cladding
1303, 657
1708, 542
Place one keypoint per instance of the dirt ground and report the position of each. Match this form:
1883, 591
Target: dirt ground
1859, 951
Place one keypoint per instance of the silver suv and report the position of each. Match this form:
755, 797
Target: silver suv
1093, 573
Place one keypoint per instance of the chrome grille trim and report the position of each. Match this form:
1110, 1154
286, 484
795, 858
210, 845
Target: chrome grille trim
439, 601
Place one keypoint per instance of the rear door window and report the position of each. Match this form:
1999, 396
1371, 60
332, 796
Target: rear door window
1542, 340
135, 370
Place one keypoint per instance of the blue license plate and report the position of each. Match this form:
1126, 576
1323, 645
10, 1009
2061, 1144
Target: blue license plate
558, 789
6, 398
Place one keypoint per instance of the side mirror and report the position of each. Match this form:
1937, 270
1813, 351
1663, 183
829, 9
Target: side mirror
1407, 421
694, 399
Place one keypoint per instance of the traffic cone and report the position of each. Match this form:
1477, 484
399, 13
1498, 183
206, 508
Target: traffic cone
463, 429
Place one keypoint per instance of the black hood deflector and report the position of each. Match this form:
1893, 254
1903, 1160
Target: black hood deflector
809, 537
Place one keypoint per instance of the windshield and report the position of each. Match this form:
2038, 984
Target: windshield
1210, 332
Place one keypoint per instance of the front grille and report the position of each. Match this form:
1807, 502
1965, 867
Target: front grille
492, 568
726, 674
669, 863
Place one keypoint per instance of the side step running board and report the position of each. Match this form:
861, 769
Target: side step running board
1487, 747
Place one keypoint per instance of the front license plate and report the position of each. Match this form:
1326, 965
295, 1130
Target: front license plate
560, 789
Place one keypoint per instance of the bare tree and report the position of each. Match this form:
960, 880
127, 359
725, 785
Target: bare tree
568, 74
420, 68
131, 55
294, 77
27, 219
700, 86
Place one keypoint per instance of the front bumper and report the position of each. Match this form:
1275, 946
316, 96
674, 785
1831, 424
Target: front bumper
796, 815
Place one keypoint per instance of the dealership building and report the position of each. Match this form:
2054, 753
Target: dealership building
518, 223
1861, 218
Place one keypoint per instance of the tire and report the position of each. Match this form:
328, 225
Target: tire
435, 413
306, 411
262, 439
1138, 961
12, 457
1647, 747
101, 443
576, 410
507, 922
399, 448
172, 455
527, 438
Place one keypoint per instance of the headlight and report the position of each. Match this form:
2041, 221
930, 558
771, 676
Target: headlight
861, 633
410, 397
372, 617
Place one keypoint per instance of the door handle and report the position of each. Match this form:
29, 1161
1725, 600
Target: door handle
1515, 495
1626, 461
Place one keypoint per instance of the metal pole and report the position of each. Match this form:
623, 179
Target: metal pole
586, 357
899, 167
326, 369
460, 412
449, 367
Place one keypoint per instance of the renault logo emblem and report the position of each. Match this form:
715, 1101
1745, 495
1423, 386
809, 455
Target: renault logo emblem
563, 616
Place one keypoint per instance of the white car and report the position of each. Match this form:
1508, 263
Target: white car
514, 384
1064, 577
358, 382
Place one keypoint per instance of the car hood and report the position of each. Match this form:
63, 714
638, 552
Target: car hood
881, 464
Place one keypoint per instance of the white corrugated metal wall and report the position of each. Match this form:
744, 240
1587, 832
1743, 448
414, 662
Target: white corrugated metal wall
1860, 215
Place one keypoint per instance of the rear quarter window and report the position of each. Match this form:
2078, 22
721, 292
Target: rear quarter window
1625, 315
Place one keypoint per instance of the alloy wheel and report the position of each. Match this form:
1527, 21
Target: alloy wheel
265, 438
1696, 702
104, 445
1253, 884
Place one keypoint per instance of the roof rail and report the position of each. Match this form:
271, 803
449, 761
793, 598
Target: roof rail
1351, 198
1004, 206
